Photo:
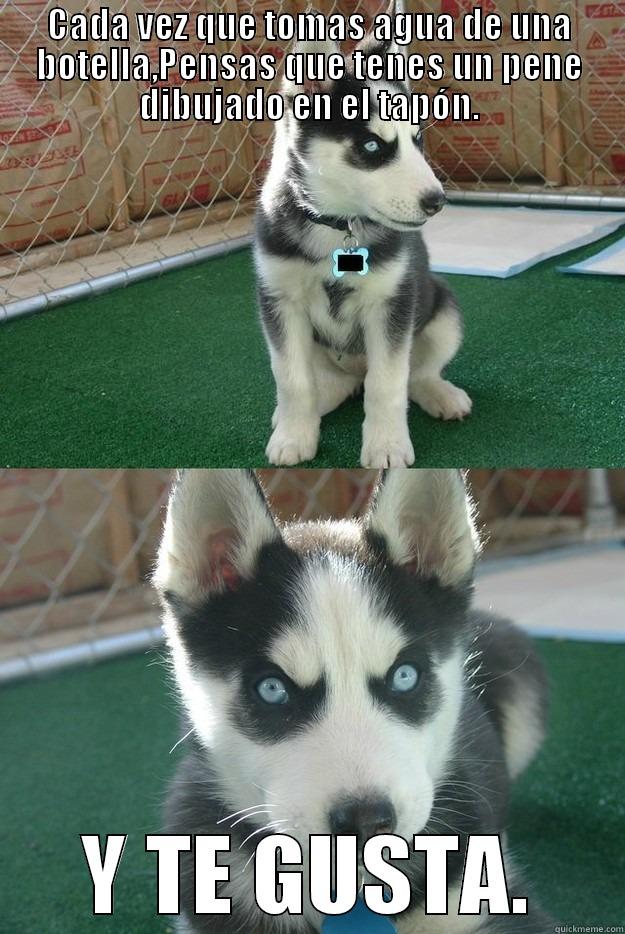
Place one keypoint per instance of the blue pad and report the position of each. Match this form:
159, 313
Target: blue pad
503, 241
360, 920
609, 262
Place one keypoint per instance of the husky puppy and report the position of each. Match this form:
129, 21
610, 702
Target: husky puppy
336, 680
394, 328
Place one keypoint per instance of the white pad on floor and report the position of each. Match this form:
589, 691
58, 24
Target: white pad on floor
503, 241
572, 593
609, 262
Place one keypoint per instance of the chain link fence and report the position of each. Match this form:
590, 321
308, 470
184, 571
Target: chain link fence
91, 196
77, 546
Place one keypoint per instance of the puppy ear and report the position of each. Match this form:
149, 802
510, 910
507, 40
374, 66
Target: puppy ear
217, 522
372, 8
324, 47
372, 46
369, 45
426, 520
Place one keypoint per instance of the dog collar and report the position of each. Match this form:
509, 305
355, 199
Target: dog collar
327, 220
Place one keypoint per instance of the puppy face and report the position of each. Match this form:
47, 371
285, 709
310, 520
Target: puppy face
370, 168
321, 664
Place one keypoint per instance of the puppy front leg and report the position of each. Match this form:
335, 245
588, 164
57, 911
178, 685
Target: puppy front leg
296, 419
385, 437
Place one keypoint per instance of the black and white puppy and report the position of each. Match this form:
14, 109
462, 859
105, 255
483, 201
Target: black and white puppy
394, 328
327, 664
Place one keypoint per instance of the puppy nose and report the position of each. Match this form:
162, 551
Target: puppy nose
432, 202
364, 817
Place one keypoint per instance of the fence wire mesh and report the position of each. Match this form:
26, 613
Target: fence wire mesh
77, 546
88, 190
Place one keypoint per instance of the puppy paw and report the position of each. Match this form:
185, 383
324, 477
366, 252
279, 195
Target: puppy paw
383, 447
441, 399
293, 442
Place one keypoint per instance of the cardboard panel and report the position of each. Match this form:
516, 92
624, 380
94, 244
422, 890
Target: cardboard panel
55, 168
592, 110
170, 165
50, 525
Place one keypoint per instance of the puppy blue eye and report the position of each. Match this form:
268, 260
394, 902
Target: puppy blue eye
272, 691
418, 138
405, 678
371, 145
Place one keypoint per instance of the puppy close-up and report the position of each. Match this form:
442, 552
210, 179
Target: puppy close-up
337, 680
341, 185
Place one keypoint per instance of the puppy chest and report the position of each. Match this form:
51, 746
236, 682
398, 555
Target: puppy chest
339, 307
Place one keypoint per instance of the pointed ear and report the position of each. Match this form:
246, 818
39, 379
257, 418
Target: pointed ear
369, 45
372, 8
426, 520
372, 46
324, 47
217, 522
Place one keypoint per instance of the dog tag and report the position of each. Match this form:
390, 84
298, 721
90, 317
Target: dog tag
360, 920
350, 260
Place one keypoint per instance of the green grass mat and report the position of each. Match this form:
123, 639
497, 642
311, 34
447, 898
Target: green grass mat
174, 372
88, 752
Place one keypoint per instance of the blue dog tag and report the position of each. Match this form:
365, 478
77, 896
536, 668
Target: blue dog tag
352, 259
360, 920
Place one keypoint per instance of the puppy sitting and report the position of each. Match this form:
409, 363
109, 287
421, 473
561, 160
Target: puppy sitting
335, 185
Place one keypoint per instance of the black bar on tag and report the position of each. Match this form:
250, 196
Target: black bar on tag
350, 262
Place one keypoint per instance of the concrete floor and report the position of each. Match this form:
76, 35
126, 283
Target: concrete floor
575, 593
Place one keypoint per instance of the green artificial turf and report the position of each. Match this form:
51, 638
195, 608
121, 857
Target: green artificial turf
174, 372
88, 752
